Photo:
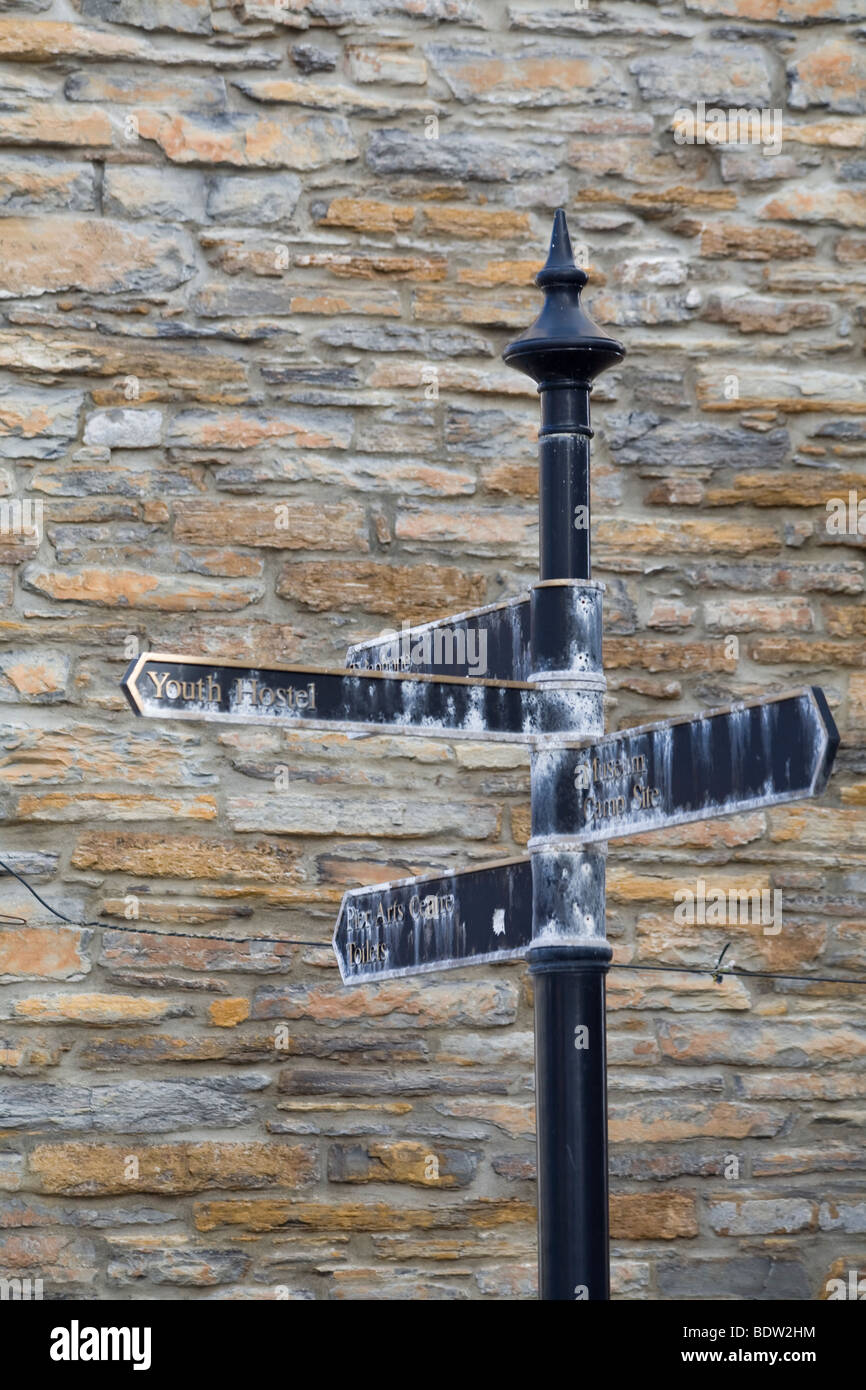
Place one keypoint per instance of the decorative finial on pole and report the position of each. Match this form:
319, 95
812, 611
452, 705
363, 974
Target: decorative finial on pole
560, 256
563, 352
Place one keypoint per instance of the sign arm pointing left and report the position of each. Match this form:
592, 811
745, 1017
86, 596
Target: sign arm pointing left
167, 686
413, 925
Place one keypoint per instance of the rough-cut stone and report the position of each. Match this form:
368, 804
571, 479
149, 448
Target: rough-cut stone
722, 387
248, 140
289, 814
281, 526
182, 16
349, 101
415, 1164
742, 243
48, 123
189, 857
365, 214
133, 1107
532, 75
734, 75
85, 1170
754, 313
195, 1267
463, 156
202, 429
409, 1003
44, 255
562, 20
422, 591
258, 1215
654, 1216
258, 199
32, 676
43, 39
762, 1216
131, 88
33, 183
94, 1009
759, 1277
755, 164
165, 195
818, 203
37, 422
650, 441
108, 588
307, 57
124, 429
391, 337
230, 301
394, 62
832, 75
778, 11
40, 953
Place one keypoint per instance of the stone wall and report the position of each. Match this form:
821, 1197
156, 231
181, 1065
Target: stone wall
257, 265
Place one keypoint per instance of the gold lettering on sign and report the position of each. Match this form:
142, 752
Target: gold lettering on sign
159, 681
430, 908
255, 692
608, 804
368, 953
168, 688
363, 918
383, 913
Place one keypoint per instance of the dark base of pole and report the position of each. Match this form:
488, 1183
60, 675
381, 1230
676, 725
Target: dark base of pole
571, 1102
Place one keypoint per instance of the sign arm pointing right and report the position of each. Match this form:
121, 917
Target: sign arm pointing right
761, 753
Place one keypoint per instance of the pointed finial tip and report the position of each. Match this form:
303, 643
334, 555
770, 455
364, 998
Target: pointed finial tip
560, 265
560, 225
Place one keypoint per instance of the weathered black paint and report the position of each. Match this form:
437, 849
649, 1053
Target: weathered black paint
568, 894
571, 1110
525, 639
736, 759
434, 648
511, 711
566, 626
448, 920
563, 351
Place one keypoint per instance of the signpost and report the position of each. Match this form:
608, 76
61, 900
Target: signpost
540, 682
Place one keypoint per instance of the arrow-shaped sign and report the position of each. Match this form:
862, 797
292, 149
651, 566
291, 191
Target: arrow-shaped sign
418, 924
734, 759
167, 686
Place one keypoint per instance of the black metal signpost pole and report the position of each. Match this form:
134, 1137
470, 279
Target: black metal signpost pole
569, 955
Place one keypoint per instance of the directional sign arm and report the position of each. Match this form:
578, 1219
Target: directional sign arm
168, 686
736, 759
491, 642
420, 924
